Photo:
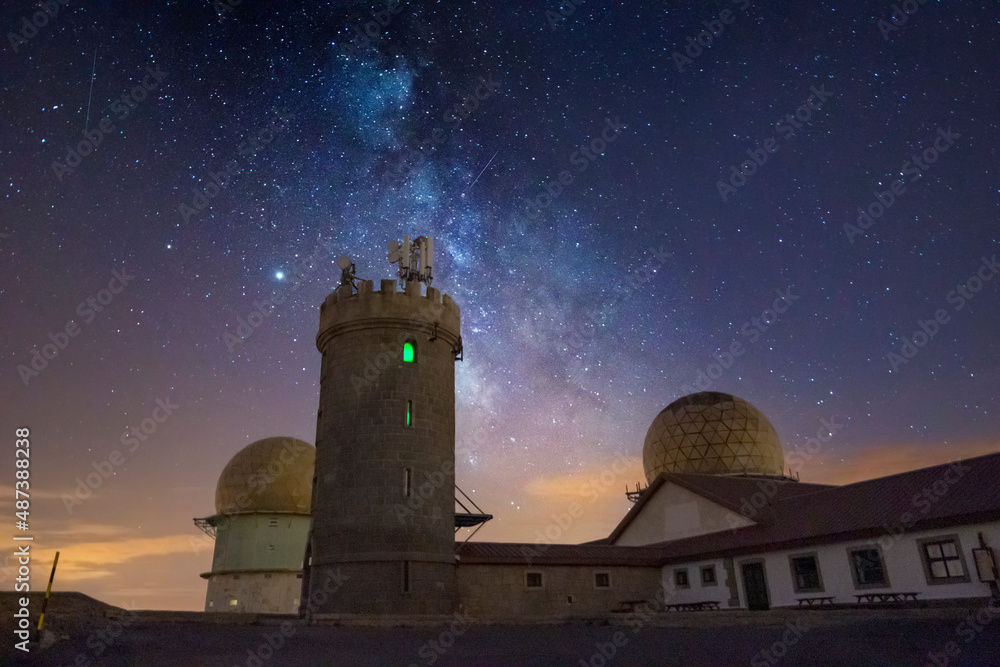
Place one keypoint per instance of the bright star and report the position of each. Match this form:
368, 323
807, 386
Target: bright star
279, 275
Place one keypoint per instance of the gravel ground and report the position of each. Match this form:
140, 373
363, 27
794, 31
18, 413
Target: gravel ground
791, 639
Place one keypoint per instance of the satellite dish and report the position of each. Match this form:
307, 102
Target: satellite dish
344, 263
395, 253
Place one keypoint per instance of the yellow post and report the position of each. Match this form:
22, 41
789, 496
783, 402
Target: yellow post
45, 602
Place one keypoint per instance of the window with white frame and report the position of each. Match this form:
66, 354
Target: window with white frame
943, 560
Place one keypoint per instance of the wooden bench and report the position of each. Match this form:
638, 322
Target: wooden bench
693, 606
629, 606
819, 600
886, 597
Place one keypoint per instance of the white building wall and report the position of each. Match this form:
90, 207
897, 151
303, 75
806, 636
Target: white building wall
902, 559
674, 513
696, 591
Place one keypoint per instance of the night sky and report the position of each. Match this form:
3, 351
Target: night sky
241, 150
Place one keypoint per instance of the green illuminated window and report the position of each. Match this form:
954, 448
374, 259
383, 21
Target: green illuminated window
409, 413
409, 352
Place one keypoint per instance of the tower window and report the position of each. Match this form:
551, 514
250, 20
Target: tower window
407, 476
409, 413
409, 352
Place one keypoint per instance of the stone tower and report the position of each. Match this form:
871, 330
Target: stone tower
382, 538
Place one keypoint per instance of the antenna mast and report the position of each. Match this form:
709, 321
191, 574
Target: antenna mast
415, 260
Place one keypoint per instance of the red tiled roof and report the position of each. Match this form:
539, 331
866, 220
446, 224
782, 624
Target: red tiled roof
728, 491
797, 514
556, 554
965, 491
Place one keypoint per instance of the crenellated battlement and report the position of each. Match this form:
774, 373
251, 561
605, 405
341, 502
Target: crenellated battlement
345, 310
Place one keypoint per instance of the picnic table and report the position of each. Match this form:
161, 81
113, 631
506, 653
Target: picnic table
886, 597
819, 600
693, 606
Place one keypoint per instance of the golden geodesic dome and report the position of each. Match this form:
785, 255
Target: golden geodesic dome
712, 433
269, 475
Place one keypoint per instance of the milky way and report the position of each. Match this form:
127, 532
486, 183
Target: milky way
792, 202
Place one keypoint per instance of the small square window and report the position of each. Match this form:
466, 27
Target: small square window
602, 580
943, 560
233, 603
533, 579
681, 578
708, 575
273, 523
